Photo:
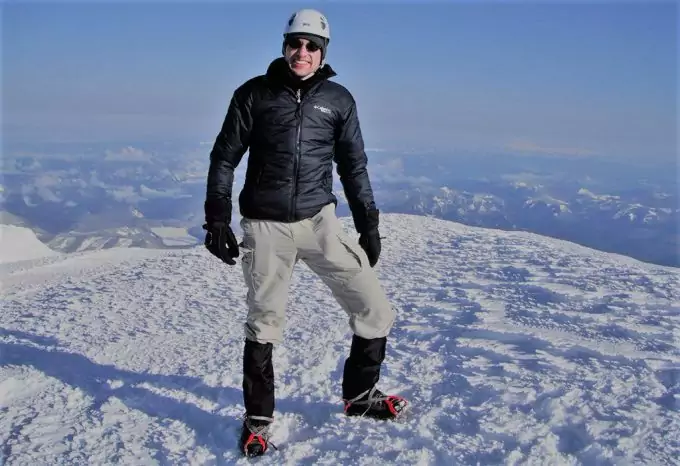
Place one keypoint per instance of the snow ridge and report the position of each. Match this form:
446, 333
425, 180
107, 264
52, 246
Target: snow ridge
19, 243
512, 347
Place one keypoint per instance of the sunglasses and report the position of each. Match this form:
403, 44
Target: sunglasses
295, 43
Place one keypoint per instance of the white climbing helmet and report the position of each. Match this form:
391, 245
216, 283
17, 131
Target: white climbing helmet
308, 21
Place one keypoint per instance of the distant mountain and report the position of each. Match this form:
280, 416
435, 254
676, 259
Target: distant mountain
607, 205
603, 222
137, 195
104, 239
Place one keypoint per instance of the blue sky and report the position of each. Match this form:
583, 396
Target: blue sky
582, 78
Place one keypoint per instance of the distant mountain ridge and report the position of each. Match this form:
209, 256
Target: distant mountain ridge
603, 222
118, 200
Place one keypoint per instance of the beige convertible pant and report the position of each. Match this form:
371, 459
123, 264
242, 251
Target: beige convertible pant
271, 250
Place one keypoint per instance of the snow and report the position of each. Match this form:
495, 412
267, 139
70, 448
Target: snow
174, 236
602, 197
20, 243
512, 348
563, 206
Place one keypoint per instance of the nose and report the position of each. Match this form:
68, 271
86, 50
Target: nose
302, 51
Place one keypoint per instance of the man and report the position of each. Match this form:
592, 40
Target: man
295, 122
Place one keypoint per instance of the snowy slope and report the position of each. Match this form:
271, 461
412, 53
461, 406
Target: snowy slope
513, 348
19, 243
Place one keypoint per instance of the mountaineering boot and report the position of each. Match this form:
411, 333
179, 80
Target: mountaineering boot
255, 436
361, 374
258, 397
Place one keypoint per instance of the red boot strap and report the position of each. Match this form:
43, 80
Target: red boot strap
390, 403
259, 439
347, 405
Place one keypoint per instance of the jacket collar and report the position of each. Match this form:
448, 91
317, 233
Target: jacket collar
279, 72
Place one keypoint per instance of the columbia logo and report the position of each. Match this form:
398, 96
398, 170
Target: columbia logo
322, 109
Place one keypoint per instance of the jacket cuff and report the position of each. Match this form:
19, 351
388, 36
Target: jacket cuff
367, 221
217, 211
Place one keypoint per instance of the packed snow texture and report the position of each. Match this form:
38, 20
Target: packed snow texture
20, 243
512, 349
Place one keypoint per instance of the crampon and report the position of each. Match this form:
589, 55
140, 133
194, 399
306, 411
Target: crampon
374, 403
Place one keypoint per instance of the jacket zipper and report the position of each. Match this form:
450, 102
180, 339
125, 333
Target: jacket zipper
296, 160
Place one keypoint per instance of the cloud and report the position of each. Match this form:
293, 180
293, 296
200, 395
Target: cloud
150, 193
394, 171
127, 154
125, 194
529, 146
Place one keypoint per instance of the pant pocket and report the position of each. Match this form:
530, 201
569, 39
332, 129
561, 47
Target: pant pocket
356, 256
247, 252
247, 264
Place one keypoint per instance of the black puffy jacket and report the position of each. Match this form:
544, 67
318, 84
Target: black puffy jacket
293, 130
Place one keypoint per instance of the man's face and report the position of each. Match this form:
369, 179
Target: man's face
303, 56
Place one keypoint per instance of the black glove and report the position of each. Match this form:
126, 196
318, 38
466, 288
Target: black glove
221, 241
369, 236
370, 242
